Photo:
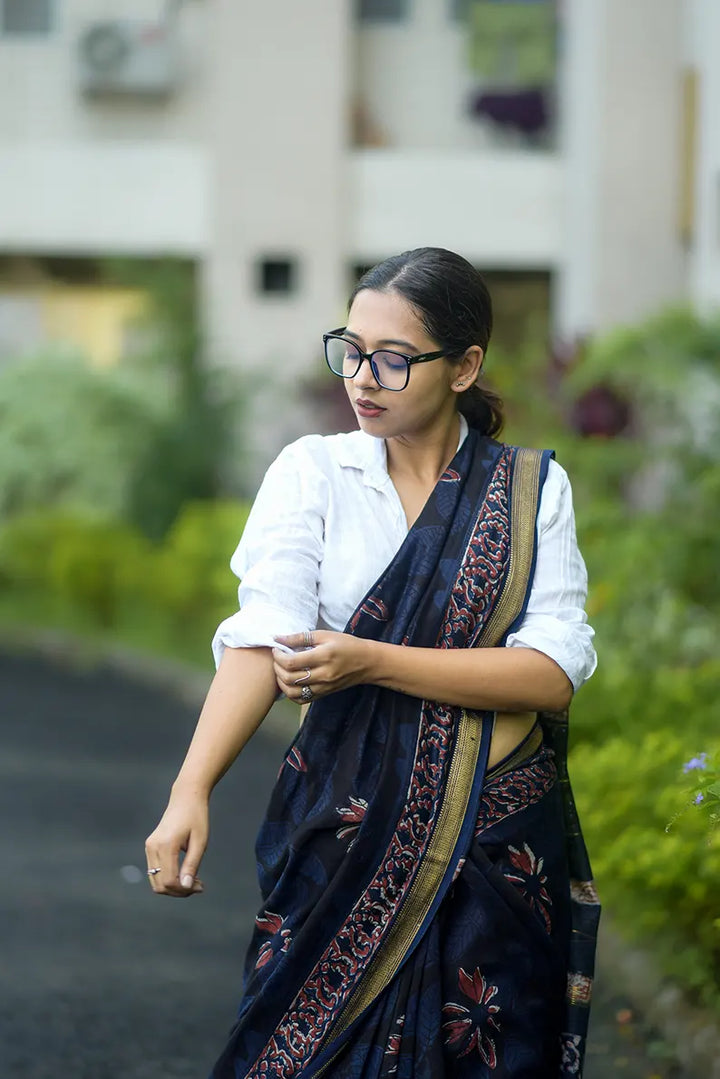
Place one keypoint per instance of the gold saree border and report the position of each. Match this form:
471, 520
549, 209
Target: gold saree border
428, 878
435, 863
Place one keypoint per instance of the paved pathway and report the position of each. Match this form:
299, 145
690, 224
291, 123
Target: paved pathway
98, 979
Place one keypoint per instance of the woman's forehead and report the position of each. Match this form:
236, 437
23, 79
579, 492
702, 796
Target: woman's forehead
385, 316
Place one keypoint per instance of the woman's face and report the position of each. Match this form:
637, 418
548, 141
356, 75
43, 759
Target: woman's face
384, 320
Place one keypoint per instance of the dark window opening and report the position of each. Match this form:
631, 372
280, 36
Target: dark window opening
26, 16
278, 276
382, 10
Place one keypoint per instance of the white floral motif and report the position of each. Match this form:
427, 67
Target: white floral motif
570, 1063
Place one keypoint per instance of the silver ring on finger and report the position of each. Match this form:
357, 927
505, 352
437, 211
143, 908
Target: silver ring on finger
305, 678
308, 638
152, 872
307, 694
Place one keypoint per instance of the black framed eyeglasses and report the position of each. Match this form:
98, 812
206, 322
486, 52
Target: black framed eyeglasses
391, 369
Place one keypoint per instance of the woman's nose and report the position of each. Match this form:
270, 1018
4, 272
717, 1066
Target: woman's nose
364, 375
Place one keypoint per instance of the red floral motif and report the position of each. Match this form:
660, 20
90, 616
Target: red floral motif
280, 938
482, 573
296, 760
394, 1043
516, 790
375, 608
473, 1028
531, 881
353, 816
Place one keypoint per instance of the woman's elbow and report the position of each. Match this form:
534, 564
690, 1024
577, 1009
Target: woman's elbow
557, 689
560, 690
566, 696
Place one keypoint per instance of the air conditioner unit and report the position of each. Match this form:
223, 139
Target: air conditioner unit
126, 57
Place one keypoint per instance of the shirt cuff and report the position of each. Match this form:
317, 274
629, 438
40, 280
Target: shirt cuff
255, 626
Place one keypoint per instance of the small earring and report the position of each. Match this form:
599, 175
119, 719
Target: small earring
461, 382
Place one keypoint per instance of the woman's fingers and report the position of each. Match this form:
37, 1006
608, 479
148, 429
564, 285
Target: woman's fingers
163, 863
172, 878
166, 873
292, 683
189, 880
296, 641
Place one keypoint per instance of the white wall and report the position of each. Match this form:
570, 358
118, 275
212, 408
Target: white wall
278, 129
39, 94
580, 124
621, 90
89, 176
641, 263
498, 209
704, 41
131, 198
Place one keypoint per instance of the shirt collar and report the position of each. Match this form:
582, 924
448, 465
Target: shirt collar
360, 450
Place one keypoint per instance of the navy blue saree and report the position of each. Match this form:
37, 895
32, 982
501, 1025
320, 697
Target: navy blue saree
423, 918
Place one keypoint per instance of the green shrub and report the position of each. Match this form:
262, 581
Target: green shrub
191, 580
72, 436
660, 885
104, 575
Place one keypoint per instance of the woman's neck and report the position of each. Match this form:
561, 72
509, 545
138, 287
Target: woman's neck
424, 457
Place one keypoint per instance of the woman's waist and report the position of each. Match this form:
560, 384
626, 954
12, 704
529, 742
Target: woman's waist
516, 736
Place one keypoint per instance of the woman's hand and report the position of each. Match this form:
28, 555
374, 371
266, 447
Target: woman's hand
322, 660
183, 828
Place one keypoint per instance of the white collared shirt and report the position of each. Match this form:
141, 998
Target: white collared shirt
326, 522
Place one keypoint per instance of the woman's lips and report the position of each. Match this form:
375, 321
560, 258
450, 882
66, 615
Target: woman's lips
368, 408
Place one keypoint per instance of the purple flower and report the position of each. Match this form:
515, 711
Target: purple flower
698, 799
696, 764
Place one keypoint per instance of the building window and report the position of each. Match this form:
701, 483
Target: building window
382, 10
277, 276
26, 16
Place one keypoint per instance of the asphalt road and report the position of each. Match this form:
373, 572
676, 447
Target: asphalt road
98, 978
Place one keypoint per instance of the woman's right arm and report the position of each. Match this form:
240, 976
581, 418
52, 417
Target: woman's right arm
239, 698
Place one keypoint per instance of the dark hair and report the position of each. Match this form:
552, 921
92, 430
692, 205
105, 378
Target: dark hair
454, 306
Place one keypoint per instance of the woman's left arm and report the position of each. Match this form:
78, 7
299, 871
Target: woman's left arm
496, 679
548, 656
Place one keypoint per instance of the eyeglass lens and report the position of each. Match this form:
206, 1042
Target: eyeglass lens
344, 359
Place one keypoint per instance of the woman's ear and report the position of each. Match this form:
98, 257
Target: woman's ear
468, 370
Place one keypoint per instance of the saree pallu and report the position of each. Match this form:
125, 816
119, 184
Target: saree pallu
422, 918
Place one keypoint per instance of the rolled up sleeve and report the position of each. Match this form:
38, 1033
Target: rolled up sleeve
555, 622
279, 556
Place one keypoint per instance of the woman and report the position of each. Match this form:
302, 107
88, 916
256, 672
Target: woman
427, 905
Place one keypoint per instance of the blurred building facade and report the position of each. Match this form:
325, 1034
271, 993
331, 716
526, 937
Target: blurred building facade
282, 146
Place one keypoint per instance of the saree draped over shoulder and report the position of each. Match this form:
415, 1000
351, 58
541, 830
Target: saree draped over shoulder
423, 918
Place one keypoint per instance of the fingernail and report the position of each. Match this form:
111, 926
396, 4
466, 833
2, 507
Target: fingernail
187, 881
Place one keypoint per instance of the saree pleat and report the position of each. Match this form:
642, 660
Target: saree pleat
417, 915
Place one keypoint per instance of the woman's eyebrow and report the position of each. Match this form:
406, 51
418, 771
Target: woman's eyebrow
386, 341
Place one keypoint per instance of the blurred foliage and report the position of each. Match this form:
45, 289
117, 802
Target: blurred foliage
202, 430
659, 884
646, 506
71, 435
132, 443
95, 576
